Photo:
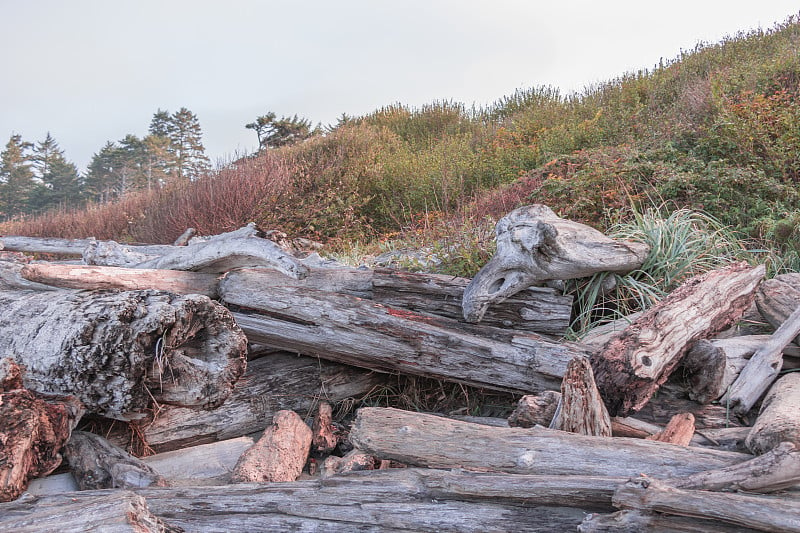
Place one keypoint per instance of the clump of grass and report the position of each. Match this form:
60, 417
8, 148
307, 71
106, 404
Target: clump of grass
682, 244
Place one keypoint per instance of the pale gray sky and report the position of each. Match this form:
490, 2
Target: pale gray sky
90, 71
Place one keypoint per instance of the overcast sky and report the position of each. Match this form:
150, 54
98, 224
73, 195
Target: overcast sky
90, 71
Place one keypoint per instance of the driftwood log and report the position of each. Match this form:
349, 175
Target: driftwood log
761, 513
98, 464
33, 428
426, 440
270, 383
52, 245
762, 369
582, 409
116, 351
779, 416
362, 333
679, 430
534, 245
279, 455
777, 298
635, 363
638, 521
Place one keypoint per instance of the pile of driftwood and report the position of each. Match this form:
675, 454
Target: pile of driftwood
674, 420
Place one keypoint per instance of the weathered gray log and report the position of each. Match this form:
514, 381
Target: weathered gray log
775, 470
582, 408
93, 277
353, 461
51, 245
352, 281
220, 253
633, 365
778, 297
98, 464
762, 369
779, 417
389, 500
116, 511
538, 309
425, 440
534, 245
680, 430
279, 455
362, 333
116, 351
638, 521
598, 336
270, 383
33, 428
183, 238
11, 278
756, 512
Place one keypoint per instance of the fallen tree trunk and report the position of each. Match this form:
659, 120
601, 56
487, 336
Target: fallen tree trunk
118, 351
638, 521
534, 245
680, 430
33, 428
582, 409
756, 512
425, 440
389, 500
52, 245
635, 363
778, 297
104, 277
365, 334
11, 278
270, 383
779, 417
117, 511
762, 369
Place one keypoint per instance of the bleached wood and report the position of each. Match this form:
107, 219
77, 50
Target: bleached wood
779, 417
362, 333
425, 440
762, 513
634, 364
92, 277
762, 369
114, 511
534, 245
118, 351
52, 245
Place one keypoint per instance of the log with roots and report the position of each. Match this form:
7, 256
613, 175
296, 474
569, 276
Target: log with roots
534, 245
117, 351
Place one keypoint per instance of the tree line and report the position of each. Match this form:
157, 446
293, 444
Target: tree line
38, 176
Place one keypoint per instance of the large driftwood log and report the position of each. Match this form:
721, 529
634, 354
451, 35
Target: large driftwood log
270, 383
638, 521
762, 513
380, 501
762, 369
11, 277
534, 245
117, 511
105, 277
116, 351
435, 442
362, 333
635, 363
52, 245
778, 297
98, 464
779, 417
33, 428
778, 469
280, 454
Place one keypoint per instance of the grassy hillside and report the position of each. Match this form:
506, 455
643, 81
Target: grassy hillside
715, 130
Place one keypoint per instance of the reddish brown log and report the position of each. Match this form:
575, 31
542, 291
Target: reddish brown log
324, 436
33, 428
635, 363
679, 430
279, 455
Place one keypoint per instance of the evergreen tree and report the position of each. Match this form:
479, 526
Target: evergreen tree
160, 124
186, 146
107, 173
59, 182
273, 132
16, 176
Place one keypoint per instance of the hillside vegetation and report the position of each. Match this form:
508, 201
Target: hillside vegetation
715, 130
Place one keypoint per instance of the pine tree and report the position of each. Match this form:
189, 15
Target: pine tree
186, 145
58, 179
105, 178
16, 176
273, 132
